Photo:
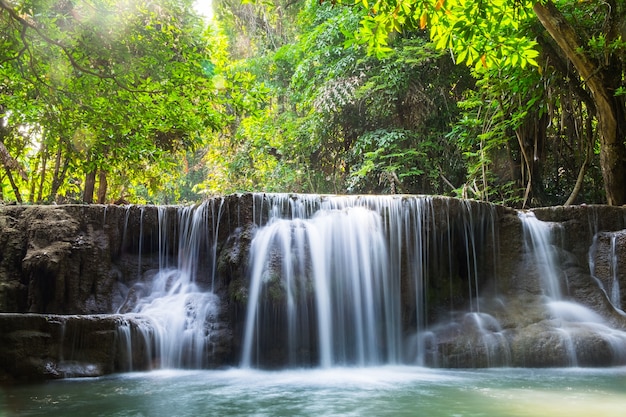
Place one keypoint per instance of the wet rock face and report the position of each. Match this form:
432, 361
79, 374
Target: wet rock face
37, 347
580, 224
548, 344
78, 261
52, 238
63, 259
13, 289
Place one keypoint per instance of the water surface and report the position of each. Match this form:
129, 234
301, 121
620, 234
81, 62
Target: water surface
380, 391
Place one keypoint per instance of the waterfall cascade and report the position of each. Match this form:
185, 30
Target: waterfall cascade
359, 281
330, 276
615, 292
285, 280
573, 318
608, 265
177, 306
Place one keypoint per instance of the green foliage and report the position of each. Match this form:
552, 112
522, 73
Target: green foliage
480, 34
501, 40
302, 96
524, 136
383, 154
338, 120
410, 99
118, 87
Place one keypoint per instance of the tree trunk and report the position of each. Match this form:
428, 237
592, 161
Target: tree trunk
16, 190
611, 122
42, 177
11, 164
102, 186
583, 168
601, 82
90, 185
42, 156
56, 180
33, 181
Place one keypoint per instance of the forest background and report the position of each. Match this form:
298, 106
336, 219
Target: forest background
508, 101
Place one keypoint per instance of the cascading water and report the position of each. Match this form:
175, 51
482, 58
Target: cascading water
338, 260
329, 276
607, 273
177, 306
538, 241
313, 281
347, 280
615, 294
574, 320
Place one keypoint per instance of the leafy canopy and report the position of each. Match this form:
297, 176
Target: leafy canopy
124, 87
481, 33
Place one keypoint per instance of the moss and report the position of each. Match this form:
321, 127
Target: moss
238, 291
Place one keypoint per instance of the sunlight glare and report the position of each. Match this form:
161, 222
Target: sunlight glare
204, 8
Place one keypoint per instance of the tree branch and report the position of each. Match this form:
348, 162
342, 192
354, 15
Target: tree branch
567, 39
11, 163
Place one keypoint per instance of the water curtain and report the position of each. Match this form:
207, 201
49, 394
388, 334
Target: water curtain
329, 276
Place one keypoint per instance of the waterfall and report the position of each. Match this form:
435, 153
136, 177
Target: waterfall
605, 269
338, 259
313, 281
177, 304
343, 281
615, 295
573, 321
329, 274
124, 334
539, 242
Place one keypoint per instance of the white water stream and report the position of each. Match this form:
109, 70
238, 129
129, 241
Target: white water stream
330, 272
574, 318
348, 281
612, 285
177, 312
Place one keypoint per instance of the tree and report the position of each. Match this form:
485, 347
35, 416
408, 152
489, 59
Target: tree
603, 76
254, 28
588, 34
110, 88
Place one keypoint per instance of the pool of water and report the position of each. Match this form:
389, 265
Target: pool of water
382, 391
